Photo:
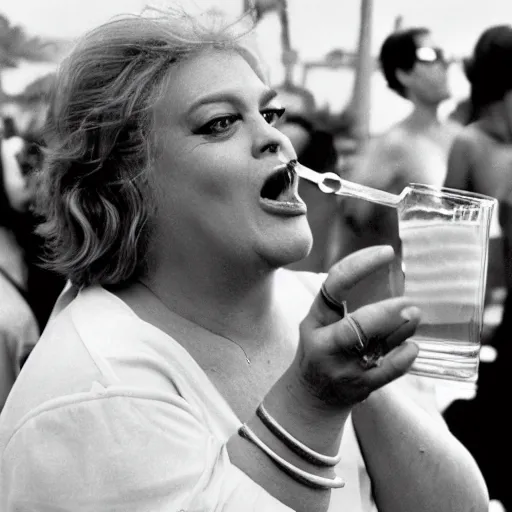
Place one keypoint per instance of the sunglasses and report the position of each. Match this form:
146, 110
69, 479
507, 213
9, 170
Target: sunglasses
428, 55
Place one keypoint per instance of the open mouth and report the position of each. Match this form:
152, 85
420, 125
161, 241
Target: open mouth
281, 185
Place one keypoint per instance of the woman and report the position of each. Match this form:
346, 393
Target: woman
481, 161
170, 210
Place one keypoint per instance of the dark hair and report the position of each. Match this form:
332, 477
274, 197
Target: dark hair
399, 52
489, 70
95, 187
319, 153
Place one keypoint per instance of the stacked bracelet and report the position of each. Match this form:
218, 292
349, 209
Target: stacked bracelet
295, 445
309, 479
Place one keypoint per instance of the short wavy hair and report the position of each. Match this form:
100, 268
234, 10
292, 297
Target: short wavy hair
399, 52
95, 184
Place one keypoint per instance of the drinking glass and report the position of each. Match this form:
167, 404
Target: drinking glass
444, 246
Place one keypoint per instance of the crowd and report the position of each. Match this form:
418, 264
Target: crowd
177, 334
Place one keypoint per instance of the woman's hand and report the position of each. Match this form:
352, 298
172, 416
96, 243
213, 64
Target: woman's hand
329, 368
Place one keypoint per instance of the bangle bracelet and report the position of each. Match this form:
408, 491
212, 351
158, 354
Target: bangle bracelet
301, 476
316, 458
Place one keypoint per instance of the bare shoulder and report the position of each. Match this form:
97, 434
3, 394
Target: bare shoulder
470, 139
453, 127
463, 154
389, 152
393, 141
389, 149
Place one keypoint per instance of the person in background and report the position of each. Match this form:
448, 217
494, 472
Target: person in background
481, 161
19, 330
192, 371
415, 149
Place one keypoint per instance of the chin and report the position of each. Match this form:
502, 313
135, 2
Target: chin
289, 250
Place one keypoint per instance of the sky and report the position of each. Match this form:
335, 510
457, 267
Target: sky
316, 27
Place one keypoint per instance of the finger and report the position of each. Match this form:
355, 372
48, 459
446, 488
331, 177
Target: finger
388, 322
406, 330
392, 366
344, 275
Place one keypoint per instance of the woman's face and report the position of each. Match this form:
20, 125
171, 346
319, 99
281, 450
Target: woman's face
217, 146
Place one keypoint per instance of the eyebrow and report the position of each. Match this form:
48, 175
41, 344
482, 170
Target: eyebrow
230, 97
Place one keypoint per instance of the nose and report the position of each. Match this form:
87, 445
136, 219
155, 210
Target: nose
269, 140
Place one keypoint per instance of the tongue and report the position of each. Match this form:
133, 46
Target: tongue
287, 196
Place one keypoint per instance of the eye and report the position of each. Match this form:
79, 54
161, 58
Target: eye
272, 115
219, 125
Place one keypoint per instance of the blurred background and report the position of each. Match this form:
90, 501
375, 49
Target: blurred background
317, 40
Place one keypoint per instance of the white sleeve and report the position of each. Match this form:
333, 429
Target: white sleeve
123, 450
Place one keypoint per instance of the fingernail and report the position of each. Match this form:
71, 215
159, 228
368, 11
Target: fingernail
410, 313
387, 250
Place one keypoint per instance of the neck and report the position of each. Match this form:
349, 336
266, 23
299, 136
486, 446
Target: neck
424, 116
232, 304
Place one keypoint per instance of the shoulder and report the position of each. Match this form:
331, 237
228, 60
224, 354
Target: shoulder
467, 144
465, 153
452, 128
137, 450
384, 160
393, 143
116, 435
469, 136
91, 340
390, 152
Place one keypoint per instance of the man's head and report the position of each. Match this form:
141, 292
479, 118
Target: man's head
414, 67
489, 68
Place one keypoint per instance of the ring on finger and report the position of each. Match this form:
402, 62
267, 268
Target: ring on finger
362, 340
366, 360
338, 307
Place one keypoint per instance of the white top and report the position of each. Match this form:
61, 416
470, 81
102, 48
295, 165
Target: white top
110, 413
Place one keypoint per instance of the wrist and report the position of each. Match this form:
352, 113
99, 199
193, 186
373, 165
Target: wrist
284, 451
317, 425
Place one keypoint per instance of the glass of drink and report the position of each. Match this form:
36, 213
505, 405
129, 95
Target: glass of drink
445, 239
444, 245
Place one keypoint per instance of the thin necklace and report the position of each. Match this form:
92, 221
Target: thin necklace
202, 326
